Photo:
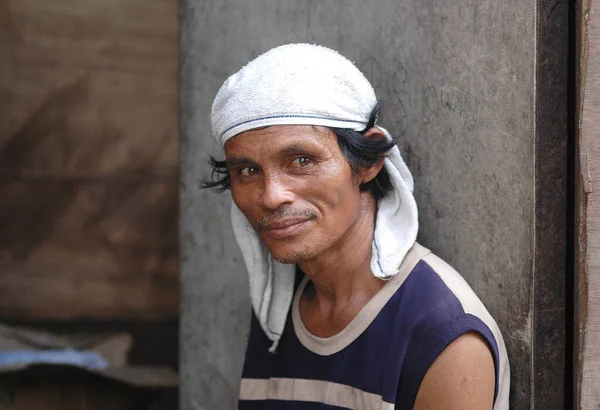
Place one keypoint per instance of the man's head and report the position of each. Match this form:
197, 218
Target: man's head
304, 154
307, 164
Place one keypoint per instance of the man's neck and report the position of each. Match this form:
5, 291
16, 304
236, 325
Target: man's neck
342, 281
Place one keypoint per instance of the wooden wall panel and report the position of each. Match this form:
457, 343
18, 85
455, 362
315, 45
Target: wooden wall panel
88, 159
587, 306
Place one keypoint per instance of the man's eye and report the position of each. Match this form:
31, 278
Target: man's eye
302, 161
248, 171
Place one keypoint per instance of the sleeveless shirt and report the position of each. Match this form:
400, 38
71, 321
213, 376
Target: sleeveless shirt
379, 360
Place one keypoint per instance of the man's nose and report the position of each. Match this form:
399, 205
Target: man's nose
276, 192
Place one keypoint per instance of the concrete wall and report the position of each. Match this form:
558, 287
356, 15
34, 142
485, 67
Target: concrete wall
457, 81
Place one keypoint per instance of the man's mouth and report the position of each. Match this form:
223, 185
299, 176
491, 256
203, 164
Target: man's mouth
285, 228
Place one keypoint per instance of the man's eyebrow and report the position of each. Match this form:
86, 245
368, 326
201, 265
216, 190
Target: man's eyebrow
232, 161
295, 149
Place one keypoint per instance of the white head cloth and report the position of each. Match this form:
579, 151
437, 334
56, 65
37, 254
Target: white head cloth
297, 84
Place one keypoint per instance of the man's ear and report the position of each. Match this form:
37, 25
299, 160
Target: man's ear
368, 173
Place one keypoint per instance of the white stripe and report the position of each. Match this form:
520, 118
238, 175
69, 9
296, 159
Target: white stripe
318, 391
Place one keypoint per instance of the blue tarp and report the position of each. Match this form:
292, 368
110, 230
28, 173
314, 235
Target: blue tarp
67, 356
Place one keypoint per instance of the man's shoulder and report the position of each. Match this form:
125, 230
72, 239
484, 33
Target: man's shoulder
425, 299
442, 308
434, 294
456, 285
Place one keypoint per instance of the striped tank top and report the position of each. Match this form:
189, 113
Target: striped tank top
379, 360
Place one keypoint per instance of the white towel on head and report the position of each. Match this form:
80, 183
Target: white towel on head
303, 84
293, 84
396, 224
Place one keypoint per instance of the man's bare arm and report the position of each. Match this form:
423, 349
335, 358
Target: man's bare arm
461, 378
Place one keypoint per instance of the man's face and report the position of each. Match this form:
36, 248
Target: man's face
295, 187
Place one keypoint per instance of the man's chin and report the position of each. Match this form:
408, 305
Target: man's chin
286, 261
289, 257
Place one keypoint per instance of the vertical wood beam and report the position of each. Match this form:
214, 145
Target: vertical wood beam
587, 257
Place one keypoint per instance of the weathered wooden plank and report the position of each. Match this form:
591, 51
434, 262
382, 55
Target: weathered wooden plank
88, 159
104, 249
587, 354
551, 134
72, 389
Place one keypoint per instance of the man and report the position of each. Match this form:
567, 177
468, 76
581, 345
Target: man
321, 194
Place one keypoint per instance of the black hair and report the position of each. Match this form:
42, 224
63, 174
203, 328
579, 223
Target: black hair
358, 151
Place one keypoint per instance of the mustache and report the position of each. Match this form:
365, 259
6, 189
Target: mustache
281, 213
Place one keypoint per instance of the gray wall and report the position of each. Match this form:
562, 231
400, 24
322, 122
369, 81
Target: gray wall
457, 82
